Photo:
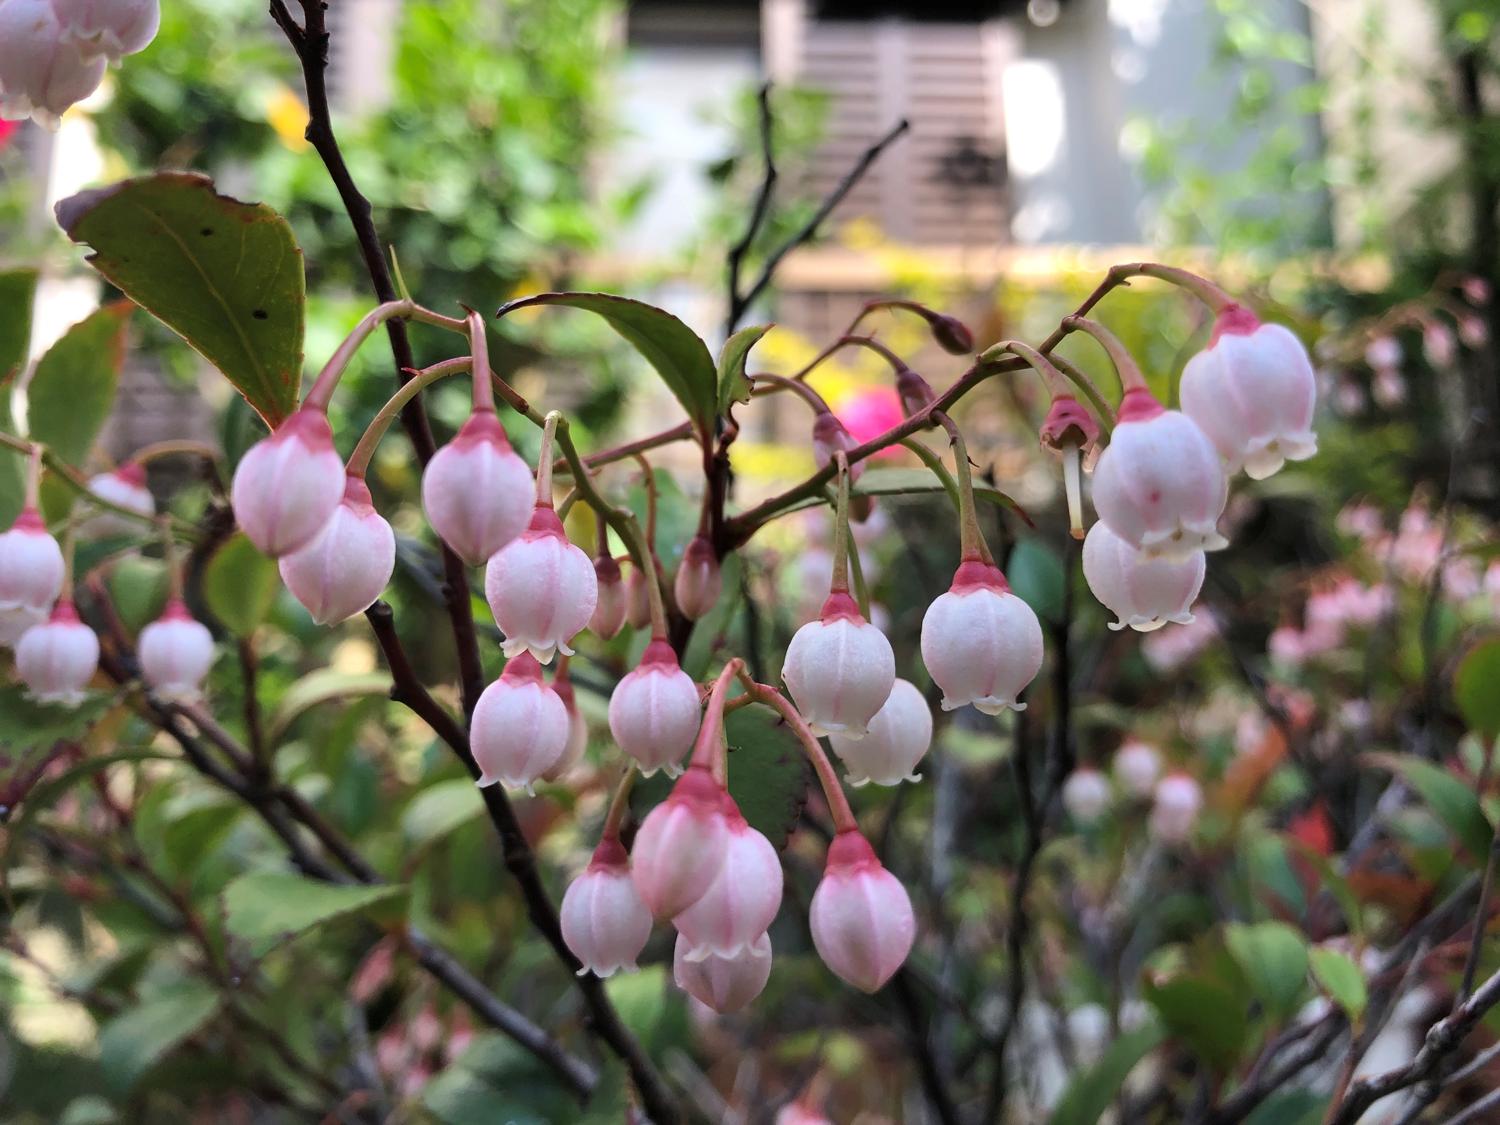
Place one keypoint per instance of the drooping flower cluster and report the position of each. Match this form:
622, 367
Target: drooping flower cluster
54, 52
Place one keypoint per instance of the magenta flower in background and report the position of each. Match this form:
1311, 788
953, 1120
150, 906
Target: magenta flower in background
869, 412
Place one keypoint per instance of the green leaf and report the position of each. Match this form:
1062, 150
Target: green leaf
670, 346
12, 461
138, 588
1477, 688
265, 908
1090, 1094
1274, 957
324, 686
26, 724
1038, 578
73, 388
883, 481
768, 774
240, 585
130, 1044
1207, 1015
734, 385
226, 276
1451, 800
439, 809
1341, 979
17, 291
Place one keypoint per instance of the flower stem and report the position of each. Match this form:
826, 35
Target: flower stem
359, 460
33, 476
1119, 355
840, 583
157, 449
774, 383
885, 353
706, 750
328, 379
618, 805
174, 564
939, 470
838, 803
1200, 287
971, 544
1090, 391
479, 350
544, 460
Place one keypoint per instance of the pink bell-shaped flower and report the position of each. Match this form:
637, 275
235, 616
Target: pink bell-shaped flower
476, 490
1144, 593
609, 610
1086, 794
1175, 809
57, 659
349, 565
578, 732
981, 643
896, 740
604, 921
125, 486
1137, 765
541, 589
862, 921
1252, 391
829, 436
725, 984
742, 901
112, 28
655, 710
699, 580
40, 74
175, 653
637, 600
288, 485
681, 844
31, 566
1160, 482
520, 727
839, 669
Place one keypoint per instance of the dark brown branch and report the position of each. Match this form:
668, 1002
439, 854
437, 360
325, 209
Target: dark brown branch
758, 212
809, 230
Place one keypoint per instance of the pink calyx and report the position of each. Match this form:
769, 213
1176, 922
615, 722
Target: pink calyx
1139, 405
976, 574
1233, 320
841, 604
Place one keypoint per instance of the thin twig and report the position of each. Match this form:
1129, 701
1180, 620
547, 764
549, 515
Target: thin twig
758, 212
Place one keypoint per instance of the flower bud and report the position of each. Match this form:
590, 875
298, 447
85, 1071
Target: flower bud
829, 437
604, 921
1175, 810
1383, 351
699, 580
609, 610
981, 644
681, 844
725, 984
1252, 391
1136, 767
655, 710
57, 659
112, 28
1160, 482
288, 485
896, 740
125, 486
861, 918
951, 334
1473, 331
520, 727
1071, 432
637, 599
1144, 593
541, 589
31, 565
578, 732
175, 653
476, 491
839, 669
1086, 795
915, 392
1438, 344
349, 565
742, 901
40, 74
801, 1112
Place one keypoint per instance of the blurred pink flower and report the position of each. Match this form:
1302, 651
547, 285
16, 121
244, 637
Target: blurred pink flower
1173, 646
7, 131
870, 412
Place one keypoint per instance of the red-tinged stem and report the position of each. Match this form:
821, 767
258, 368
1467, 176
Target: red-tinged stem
33, 476
158, 449
479, 349
544, 461
1090, 391
359, 460
706, 750
770, 384
1119, 355
174, 564
971, 544
401, 309
1200, 287
841, 545
838, 803
618, 805
874, 345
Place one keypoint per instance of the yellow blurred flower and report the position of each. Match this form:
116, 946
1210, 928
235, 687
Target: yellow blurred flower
286, 114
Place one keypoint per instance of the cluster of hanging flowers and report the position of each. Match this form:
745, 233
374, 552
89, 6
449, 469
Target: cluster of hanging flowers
1160, 484
54, 52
